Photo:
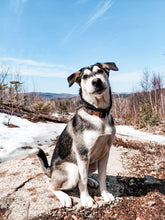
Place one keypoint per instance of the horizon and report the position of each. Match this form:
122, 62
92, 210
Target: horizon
46, 41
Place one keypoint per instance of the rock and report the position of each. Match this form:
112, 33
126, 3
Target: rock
151, 203
24, 191
150, 180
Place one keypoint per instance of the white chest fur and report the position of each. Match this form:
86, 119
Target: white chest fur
98, 141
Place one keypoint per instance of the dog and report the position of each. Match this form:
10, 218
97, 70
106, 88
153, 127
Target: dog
84, 145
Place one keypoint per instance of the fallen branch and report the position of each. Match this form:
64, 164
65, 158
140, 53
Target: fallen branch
30, 115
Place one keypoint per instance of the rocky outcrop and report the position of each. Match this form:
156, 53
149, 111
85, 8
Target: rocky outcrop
24, 189
135, 176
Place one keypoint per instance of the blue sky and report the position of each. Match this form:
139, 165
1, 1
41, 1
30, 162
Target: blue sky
47, 40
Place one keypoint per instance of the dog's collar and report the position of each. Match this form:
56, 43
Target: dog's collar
99, 113
92, 110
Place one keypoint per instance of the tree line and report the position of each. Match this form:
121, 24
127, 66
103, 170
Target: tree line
143, 108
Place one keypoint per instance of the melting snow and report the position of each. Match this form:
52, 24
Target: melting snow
136, 134
43, 134
26, 134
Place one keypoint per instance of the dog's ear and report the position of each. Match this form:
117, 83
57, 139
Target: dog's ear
109, 66
75, 77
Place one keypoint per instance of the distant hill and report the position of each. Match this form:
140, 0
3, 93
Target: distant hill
52, 95
121, 95
67, 95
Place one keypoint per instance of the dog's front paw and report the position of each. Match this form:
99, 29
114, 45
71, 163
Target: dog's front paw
86, 201
108, 197
65, 200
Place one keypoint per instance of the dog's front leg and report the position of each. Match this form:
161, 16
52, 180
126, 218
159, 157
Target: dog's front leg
86, 199
102, 166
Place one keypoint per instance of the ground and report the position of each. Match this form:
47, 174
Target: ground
135, 176
139, 189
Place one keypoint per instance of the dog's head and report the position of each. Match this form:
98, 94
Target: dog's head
93, 81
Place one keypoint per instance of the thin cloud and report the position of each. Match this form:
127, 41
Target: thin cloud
126, 77
31, 67
125, 82
69, 34
18, 5
102, 8
29, 62
82, 1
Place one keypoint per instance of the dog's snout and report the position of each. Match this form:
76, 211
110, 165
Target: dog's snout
97, 82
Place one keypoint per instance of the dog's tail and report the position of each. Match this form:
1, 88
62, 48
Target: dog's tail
44, 162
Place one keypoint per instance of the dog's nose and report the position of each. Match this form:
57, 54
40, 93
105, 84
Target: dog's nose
96, 82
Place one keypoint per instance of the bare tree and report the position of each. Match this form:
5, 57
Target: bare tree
11, 97
15, 100
4, 71
157, 87
144, 83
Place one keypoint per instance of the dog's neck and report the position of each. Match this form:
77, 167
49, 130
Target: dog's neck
94, 110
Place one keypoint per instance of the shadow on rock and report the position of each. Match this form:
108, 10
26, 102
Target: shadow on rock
121, 186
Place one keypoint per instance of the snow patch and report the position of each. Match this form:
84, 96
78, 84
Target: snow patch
17, 141
26, 134
144, 136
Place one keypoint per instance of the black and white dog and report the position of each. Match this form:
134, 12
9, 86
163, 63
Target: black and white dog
84, 145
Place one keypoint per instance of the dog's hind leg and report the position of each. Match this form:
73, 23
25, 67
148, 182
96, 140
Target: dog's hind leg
64, 177
92, 182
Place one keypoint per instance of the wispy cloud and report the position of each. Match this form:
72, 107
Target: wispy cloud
82, 1
18, 5
69, 34
125, 82
99, 10
127, 77
34, 68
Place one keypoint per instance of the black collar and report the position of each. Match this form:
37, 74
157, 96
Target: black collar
100, 114
92, 110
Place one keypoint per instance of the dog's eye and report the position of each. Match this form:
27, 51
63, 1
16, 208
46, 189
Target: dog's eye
100, 71
85, 76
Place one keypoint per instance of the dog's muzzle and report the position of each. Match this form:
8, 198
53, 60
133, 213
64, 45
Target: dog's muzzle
98, 85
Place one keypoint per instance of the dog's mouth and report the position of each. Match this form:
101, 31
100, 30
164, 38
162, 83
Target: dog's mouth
98, 86
99, 90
